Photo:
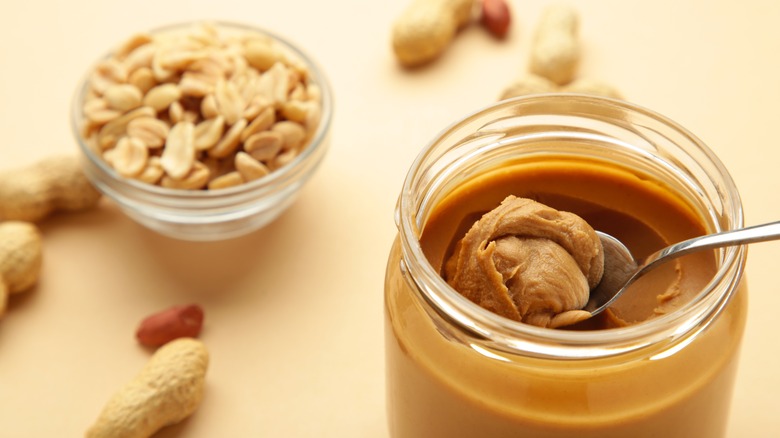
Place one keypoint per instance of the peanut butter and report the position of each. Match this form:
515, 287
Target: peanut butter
445, 382
528, 262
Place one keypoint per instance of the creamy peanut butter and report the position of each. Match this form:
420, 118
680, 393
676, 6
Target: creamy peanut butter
526, 261
637, 212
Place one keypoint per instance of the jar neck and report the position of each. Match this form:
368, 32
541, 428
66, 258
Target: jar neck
577, 125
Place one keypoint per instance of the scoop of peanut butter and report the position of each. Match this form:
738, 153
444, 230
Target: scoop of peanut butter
529, 262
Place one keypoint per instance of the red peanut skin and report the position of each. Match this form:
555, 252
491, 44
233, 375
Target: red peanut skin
496, 17
169, 324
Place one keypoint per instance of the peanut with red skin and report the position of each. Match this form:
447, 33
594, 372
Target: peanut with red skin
496, 17
169, 324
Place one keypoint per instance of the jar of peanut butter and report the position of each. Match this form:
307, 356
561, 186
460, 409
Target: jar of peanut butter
660, 362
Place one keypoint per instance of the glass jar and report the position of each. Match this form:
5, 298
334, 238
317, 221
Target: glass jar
455, 369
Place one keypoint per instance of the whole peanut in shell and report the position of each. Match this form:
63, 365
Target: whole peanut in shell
53, 184
168, 390
20, 258
528, 84
555, 51
427, 27
532, 84
592, 86
555, 55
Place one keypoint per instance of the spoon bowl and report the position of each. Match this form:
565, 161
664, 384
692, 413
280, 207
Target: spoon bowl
621, 269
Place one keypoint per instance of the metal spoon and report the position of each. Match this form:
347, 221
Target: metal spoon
621, 270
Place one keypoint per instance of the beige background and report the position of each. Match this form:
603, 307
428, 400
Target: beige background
294, 311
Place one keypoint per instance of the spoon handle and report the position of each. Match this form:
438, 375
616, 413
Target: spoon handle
756, 233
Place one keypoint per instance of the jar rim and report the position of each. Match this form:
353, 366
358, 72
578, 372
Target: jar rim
499, 333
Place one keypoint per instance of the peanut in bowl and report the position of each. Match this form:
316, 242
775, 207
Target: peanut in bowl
203, 131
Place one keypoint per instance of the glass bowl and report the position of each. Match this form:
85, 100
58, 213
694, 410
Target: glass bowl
204, 215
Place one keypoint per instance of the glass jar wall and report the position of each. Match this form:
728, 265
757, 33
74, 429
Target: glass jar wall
455, 369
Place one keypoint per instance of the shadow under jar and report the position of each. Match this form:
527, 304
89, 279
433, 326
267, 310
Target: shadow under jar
662, 363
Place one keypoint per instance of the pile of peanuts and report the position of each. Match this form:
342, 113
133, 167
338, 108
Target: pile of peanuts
170, 387
200, 108
195, 108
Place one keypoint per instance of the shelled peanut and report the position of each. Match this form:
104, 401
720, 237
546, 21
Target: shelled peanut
200, 107
496, 17
168, 324
554, 59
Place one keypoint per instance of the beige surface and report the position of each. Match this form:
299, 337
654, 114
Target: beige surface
294, 311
